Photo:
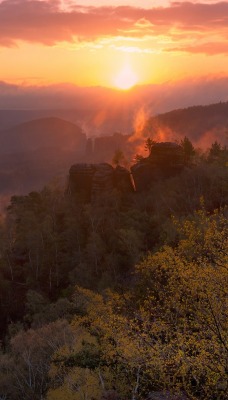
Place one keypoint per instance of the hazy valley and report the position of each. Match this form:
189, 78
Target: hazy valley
40, 150
107, 215
113, 200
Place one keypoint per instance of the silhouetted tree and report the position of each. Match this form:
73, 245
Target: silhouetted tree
118, 157
149, 143
138, 158
188, 149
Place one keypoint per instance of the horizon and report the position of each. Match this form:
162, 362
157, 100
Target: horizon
102, 64
154, 98
115, 45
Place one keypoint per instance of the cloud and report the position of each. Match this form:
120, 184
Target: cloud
211, 48
156, 98
102, 111
48, 22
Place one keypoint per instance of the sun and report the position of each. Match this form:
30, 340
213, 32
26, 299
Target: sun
126, 78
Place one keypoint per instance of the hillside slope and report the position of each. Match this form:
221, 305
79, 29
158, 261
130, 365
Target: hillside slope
35, 152
42, 133
194, 122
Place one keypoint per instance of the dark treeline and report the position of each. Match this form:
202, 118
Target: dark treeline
121, 298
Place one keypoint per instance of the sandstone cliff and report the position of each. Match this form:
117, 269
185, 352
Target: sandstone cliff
90, 180
166, 159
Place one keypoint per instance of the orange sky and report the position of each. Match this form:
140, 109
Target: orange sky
53, 41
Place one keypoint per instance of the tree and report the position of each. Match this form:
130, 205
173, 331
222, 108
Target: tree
218, 154
138, 158
215, 150
118, 157
182, 297
27, 364
170, 329
188, 149
149, 143
106, 346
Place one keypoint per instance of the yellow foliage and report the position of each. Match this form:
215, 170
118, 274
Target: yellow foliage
79, 384
170, 332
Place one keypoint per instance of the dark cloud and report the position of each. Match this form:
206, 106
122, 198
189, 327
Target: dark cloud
47, 23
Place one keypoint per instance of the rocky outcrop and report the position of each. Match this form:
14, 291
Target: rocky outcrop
122, 179
91, 180
103, 179
166, 159
105, 146
80, 179
166, 155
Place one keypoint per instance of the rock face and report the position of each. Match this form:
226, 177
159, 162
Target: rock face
91, 180
103, 147
122, 179
80, 179
103, 179
166, 155
165, 160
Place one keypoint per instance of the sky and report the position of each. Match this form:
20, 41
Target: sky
112, 43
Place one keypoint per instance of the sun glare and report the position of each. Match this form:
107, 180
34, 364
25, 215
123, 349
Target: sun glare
126, 79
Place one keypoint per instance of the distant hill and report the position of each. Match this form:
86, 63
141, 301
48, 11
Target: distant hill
43, 133
196, 122
105, 120
34, 153
101, 110
10, 118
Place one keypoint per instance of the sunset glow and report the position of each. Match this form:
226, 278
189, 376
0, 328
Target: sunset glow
126, 79
86, 44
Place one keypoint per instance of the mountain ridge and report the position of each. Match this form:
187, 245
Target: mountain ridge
194, 122
42, 132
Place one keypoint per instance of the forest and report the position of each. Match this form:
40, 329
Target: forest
122, 298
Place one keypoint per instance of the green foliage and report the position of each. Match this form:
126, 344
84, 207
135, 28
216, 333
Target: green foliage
218, 154
215, 149
148, 313
170, 329
184, 290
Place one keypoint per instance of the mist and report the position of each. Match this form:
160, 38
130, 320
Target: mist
100, 110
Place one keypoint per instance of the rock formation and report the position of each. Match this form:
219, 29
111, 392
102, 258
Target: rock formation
122, 179
103, 179
166, 159
80, 179
101, 149
91, 180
